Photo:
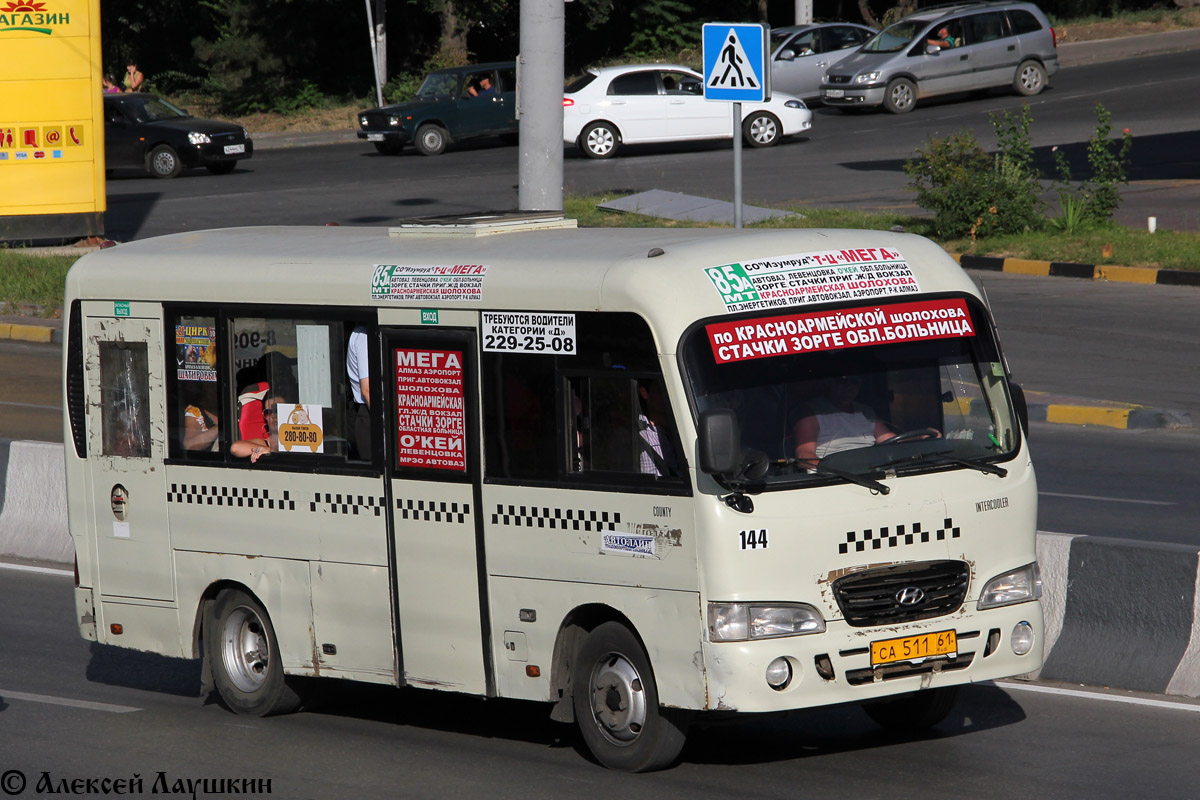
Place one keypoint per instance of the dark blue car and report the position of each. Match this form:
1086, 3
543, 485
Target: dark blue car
144, 132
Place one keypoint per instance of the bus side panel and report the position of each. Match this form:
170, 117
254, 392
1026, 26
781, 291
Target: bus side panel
352, 621
263, 512
570, 548
153, 628
281, 585
668, 623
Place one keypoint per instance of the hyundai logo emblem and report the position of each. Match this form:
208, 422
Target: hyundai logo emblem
910, 595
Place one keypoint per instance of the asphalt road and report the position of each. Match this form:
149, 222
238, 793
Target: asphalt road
849, 160
78, 711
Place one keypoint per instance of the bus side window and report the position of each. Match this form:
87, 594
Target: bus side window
195, 397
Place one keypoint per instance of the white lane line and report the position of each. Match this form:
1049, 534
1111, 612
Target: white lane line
66, 573
63, 701
29, 405
1109, 499
1110, 698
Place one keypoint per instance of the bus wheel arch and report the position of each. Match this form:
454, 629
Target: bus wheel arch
241, 654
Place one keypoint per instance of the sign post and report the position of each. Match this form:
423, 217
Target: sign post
736, 71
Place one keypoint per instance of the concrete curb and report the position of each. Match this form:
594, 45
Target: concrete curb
1064, 269
1118, 613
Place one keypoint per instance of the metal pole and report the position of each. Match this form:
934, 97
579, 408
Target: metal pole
737, 165
804, 12
374, 55
539, 105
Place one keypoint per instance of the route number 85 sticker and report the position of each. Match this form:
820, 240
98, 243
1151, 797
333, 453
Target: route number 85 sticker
754, 540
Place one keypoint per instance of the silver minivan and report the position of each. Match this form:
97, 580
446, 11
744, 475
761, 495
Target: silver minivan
956, 48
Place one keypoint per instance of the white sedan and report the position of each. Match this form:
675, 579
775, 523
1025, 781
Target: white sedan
640, 103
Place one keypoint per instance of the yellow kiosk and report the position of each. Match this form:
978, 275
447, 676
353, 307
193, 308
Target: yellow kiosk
51, 120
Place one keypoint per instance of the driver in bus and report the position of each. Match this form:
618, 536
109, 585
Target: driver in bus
835, 421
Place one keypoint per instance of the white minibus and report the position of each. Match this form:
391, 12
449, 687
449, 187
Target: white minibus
646, 477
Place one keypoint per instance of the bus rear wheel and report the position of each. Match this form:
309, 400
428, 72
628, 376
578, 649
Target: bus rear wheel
243, 655
616, 704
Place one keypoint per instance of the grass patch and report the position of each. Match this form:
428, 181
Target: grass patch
1127, 247
32, 281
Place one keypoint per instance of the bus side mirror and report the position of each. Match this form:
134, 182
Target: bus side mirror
720, 442
1022, 407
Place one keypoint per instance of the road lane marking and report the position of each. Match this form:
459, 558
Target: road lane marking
1109, 499
1110, 698
5, 694
66, 573
30, 405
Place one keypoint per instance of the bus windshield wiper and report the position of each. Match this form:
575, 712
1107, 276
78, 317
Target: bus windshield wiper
948, 457
821, 469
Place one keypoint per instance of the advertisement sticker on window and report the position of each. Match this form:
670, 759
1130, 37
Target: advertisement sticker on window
196, 353
528, 332
820, 277
431, 416
429, 283
832, 330
300, 427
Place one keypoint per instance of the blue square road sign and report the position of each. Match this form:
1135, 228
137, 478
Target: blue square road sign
735, 62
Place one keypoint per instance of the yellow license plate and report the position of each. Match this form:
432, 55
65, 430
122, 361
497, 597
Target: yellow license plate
914, 648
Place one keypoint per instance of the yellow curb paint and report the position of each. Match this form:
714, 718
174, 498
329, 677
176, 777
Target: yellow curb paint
5, 330
1085, 415
957, 257
1024, 267
1127, 274
28, 333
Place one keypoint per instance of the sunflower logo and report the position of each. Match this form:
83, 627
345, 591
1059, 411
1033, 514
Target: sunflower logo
13, 7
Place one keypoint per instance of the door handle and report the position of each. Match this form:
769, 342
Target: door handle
963, 57
676, 102
618, 102
1012, 47
822, 63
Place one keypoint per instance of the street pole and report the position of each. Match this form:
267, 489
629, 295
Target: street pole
540, 69
374, 54
737, 165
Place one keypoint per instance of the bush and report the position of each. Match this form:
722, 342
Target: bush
1094, 200
972, 194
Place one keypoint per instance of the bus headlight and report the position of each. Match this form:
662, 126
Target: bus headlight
1018, 586
739, 622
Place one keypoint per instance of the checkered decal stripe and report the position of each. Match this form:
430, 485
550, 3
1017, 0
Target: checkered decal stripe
566, 519
432, 510
352, 504
874, 541
196, 494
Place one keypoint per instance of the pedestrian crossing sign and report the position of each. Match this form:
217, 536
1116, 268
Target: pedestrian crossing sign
735, 62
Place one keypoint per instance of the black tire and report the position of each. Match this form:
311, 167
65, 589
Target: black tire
388, 148
616, 704
900, 96
599, 140
915, 712
243, 655
431, 139
224, 168
761, 129
1030, 79
163, 162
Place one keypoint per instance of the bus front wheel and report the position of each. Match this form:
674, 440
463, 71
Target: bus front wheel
616, 704
243, 655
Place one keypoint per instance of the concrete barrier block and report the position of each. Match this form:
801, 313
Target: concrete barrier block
1128, 616
33, 503
1186, 680
1053, 552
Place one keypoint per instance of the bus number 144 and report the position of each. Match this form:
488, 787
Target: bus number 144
753, 540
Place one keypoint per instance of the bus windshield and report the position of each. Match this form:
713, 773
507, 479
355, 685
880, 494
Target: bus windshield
888, 389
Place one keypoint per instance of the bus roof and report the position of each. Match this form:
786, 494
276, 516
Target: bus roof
576, 269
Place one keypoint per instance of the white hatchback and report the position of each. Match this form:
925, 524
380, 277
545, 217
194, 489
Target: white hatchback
640, 103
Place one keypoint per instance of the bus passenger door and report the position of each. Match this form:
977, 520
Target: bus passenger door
126, 429
433, 462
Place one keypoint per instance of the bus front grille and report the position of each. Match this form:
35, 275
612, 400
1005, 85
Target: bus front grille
902, 593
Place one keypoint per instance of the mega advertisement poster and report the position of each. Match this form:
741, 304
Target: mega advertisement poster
431, 415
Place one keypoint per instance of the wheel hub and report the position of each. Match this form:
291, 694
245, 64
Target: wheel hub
245, 649
618, 699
